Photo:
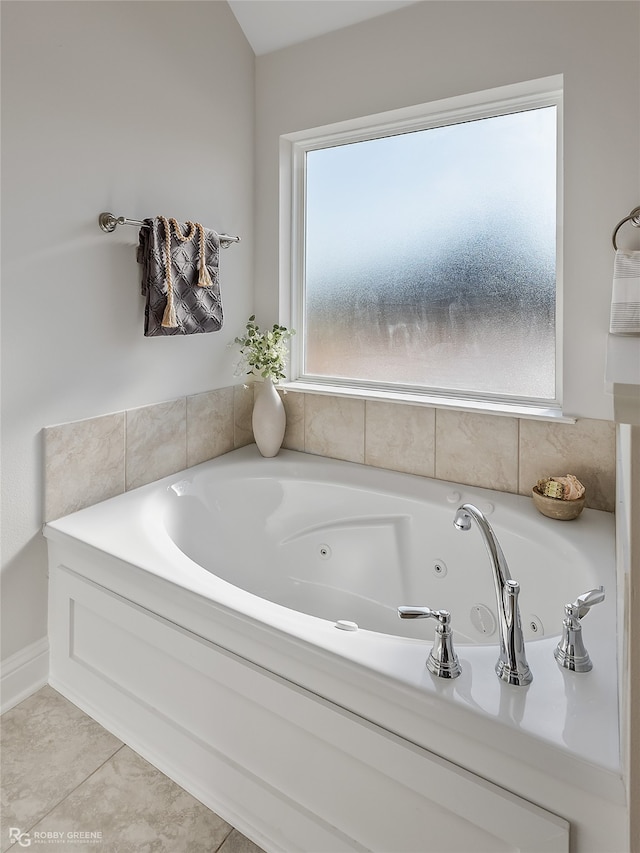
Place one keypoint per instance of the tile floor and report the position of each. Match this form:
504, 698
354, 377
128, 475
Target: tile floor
64, 775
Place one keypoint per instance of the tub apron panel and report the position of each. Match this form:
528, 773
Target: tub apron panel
318, 778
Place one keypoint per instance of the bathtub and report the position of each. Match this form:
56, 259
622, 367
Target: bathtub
236, 624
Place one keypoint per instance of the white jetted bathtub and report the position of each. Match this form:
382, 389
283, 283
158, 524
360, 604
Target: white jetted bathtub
237, 625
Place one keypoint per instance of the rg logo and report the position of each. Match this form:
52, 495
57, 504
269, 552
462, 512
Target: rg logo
21, 837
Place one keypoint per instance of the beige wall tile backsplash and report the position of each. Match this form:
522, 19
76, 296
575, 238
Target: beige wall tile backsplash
209, 425
400, 437
492, 451
156, 443
334, 426
84, 463
294, 406
586, 449
242, 409
477, 449
91, 460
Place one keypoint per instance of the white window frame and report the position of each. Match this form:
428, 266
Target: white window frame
293, 149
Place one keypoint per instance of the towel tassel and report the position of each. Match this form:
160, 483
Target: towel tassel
204, 279
169, 319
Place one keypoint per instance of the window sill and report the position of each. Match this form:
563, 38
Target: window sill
485, 407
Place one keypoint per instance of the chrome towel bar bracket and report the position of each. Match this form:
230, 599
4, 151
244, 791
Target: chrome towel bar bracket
633, 218
108, 223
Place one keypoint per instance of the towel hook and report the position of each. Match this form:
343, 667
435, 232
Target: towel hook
633, 218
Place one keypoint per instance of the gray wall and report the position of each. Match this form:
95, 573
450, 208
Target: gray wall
438, 49
140, 109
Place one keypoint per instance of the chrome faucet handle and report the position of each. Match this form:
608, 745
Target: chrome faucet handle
585, 602
423, 613
442, 660
570, 651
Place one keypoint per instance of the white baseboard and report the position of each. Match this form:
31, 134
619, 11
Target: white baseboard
23, 673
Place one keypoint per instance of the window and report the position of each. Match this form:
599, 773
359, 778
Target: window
424, 248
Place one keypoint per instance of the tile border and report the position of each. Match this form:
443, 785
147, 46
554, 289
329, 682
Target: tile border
134, 465
468, 451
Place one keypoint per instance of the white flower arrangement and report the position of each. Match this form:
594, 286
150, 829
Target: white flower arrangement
263, 354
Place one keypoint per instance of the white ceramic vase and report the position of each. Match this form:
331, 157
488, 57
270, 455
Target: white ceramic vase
268, 419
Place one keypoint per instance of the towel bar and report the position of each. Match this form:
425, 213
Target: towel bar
633, 218
108, 223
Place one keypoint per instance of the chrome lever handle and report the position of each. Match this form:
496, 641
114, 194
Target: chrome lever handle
443, 616
442, 660
585, 602
570, 651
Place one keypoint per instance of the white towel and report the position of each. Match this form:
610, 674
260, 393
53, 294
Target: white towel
625, 299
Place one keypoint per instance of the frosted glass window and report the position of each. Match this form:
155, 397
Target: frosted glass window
430, 258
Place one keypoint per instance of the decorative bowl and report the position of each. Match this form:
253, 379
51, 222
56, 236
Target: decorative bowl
556, 508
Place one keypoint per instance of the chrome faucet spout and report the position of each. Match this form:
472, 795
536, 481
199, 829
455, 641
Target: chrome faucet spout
512, 665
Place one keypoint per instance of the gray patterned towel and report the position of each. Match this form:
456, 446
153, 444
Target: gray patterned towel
183, 297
